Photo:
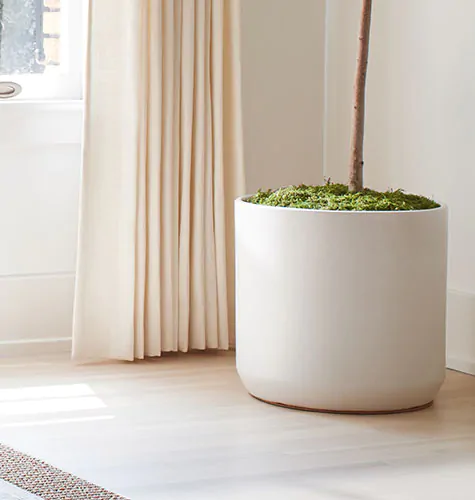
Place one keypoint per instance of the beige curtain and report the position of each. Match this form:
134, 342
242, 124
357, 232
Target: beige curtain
162, 164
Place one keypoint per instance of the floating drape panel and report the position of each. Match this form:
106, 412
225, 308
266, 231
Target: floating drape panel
162, 164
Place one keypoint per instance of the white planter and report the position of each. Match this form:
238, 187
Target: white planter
341, 311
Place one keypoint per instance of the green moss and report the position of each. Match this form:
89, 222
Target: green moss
336, 197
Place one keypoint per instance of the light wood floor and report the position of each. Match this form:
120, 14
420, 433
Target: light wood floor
183, 427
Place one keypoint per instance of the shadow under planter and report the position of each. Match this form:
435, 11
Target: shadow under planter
341, 311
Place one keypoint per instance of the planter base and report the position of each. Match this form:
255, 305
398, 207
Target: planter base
347, 412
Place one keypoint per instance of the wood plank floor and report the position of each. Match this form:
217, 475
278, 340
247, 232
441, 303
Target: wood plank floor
10, 492
183, 427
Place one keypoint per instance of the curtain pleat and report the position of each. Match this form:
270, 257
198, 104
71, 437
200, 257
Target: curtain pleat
162, 164
153, 145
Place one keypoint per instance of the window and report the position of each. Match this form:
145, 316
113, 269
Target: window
41, 47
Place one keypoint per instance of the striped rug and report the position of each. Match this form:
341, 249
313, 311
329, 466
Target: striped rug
25, 478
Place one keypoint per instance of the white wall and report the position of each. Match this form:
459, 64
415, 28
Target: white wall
420, 124
39, 186
283, 85
40, 147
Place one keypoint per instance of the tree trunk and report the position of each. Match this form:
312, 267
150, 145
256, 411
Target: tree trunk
355, 181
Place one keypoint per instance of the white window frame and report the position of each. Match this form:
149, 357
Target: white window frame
67, 83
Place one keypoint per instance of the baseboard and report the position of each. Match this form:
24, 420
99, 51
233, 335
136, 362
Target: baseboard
461, 365
34, 347
36, 314
461, 331
460, 337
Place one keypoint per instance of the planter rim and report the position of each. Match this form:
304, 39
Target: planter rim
242, 199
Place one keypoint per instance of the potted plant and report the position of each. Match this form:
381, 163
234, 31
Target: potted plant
341, 290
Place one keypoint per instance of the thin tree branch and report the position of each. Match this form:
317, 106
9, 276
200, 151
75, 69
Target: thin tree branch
355, 181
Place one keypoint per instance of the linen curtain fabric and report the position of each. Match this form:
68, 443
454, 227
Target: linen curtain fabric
162, 164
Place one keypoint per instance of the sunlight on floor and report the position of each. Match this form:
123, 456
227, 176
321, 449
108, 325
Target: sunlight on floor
50, 391
48, 399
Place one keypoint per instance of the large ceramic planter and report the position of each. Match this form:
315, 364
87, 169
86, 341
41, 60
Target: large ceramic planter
341, 311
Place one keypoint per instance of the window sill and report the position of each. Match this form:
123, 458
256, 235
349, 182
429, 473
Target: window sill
40, 122
45, 104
